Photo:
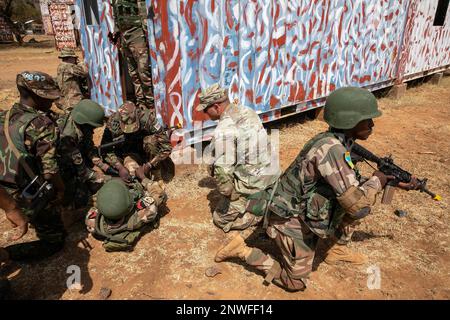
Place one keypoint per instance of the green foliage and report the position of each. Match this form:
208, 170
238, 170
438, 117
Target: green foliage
24, 10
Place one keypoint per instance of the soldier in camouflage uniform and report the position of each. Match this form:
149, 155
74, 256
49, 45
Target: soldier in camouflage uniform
130, 30
239, 168
122, 211
145, 144
28, 149
72, 79
320, 195
77, 153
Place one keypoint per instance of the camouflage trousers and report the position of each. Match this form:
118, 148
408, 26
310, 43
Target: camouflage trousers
137, 54
49, 229
231, 215
297, 244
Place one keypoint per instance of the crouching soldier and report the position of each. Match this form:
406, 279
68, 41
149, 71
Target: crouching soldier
122, 211
77, 154
320, 195
145, 143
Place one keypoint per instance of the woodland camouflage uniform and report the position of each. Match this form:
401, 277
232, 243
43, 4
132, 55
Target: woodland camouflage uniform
320, 195
130, 18
35, 136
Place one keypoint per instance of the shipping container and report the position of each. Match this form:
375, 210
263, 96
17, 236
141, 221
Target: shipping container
277, 57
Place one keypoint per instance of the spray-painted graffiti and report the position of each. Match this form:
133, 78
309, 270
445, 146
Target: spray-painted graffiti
100, 55
428, 46
269, 53
62, 24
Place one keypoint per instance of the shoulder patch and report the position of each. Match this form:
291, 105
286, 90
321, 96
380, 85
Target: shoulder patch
348, 159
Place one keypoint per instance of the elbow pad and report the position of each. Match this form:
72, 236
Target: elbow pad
356, 203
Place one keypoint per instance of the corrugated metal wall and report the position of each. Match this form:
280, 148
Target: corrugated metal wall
428, 46
100, 56
272, 54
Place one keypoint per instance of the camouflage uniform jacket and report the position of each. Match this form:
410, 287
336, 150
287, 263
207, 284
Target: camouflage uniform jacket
35, 139
130, 18
237, 161
144, 212
321, 186
150, 140
76, 149
71, 78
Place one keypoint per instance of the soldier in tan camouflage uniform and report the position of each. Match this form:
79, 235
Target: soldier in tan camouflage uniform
239, 168
320, 195
130, 33
72, 79
146, 144
28, 149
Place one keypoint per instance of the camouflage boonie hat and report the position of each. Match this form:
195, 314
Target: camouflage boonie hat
40, 83
67, 53
129, 117
210, 95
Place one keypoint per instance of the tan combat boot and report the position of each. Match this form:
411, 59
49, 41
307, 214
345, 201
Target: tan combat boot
341, 253
236, 248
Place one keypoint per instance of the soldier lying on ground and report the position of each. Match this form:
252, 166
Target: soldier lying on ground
122, 211
320, 195
145, 143
29, 172
77, 154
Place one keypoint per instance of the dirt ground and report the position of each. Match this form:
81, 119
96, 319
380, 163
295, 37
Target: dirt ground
412, 253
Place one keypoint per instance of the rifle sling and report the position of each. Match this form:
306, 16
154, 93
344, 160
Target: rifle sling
13, 147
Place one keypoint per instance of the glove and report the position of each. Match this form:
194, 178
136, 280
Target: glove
383, 178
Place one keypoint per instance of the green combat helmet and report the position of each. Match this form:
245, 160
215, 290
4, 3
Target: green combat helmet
39, 83
114, 200
347, 106
88, 112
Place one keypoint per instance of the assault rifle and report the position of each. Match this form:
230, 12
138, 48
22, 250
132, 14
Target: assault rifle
389, 168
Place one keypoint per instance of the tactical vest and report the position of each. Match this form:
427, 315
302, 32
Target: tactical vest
123, 237
130, 14
11, 171
315, 203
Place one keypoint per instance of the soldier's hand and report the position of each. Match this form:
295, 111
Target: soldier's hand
140, 172
124, 174
382, 177
412, 185
19, 221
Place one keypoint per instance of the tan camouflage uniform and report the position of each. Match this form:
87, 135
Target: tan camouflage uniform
71, 79
324, 165
240, 168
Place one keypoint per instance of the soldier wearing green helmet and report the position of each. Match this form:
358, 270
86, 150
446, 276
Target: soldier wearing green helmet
72, 79
77, 153
121, 212
320, 195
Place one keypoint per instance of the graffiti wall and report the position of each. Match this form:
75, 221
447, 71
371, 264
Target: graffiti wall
6, 34
100, 55
270, 54
428, 45
46, 20
61, 19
